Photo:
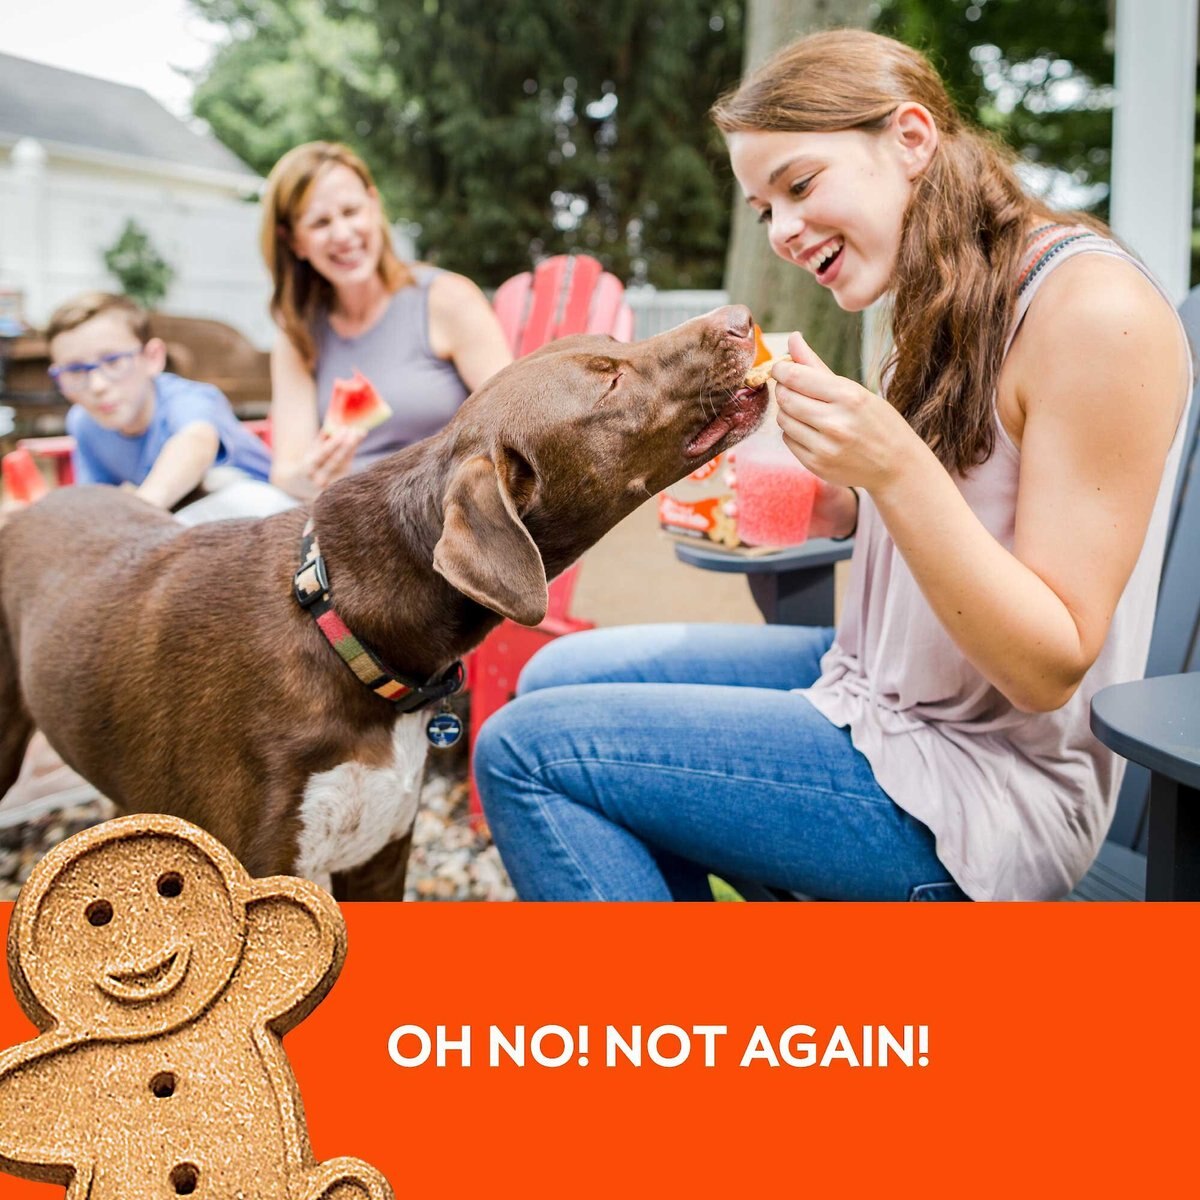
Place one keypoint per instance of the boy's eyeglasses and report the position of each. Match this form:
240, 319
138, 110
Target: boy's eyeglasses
73, 379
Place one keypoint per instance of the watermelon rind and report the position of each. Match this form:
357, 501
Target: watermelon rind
355, 404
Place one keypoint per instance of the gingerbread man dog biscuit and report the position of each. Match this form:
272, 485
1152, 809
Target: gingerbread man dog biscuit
163, 978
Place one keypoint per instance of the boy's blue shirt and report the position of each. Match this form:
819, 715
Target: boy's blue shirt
106, 456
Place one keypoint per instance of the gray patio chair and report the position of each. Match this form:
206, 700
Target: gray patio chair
1155, 722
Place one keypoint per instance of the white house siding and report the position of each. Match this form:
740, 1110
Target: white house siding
60, 212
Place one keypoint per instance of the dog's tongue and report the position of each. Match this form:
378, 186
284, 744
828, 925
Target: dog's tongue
737, 412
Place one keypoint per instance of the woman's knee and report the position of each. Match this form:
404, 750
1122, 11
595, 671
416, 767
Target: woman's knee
589, 656
553, 665
512, 747
495, 758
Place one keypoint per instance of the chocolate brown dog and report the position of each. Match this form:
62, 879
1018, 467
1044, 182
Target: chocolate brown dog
175, 669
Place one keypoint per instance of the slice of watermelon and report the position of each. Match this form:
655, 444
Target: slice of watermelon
355, 405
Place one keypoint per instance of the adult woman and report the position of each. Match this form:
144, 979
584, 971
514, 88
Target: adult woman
344, 302
1011, 497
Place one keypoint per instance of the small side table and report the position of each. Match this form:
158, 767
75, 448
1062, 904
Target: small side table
790, 587
1156, 722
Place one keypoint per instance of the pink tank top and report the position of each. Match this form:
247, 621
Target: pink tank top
1019, 803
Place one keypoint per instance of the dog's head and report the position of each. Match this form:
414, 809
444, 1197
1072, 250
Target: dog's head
556, 449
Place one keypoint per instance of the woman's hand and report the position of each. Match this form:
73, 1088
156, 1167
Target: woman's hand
834, 511
304, 458
840, 431
331, 456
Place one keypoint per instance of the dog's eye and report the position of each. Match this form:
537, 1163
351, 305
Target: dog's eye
616, 379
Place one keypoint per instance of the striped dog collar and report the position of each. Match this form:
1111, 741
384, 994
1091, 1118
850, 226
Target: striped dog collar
311, 588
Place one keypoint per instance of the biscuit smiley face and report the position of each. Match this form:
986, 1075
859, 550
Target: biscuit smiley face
163, 979
133, 933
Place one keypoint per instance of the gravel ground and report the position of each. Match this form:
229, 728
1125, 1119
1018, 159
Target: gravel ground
450, 860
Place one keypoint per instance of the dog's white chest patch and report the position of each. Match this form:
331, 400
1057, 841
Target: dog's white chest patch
348, 814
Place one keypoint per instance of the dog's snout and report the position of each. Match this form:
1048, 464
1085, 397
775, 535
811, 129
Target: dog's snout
735, 320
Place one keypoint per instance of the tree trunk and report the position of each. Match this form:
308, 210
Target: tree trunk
781, 295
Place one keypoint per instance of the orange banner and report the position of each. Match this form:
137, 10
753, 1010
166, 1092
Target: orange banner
730, 1050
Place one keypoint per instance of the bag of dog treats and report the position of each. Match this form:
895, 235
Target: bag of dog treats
698, 506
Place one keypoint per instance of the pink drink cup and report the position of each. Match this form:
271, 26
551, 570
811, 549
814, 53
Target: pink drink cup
774, 494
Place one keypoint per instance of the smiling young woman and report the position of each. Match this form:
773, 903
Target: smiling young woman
1011, 491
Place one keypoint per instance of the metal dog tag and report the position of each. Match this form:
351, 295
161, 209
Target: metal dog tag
443, 729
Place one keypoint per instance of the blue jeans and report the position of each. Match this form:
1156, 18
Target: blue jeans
636, 760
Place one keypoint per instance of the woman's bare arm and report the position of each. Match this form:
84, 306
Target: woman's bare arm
1100, 375
463, 329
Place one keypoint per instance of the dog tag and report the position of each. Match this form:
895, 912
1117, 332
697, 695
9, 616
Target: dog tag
443, 729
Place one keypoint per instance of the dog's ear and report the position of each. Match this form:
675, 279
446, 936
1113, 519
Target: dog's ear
484, 550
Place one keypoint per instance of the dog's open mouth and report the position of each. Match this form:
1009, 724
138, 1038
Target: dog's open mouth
739, 416
138, 984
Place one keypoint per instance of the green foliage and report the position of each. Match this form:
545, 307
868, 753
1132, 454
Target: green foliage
286, 75
501, 131
144, 275
1039, 76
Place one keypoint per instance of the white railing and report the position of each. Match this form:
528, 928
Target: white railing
654, 311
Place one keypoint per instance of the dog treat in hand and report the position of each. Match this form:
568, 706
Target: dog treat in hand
163, 979
758, 375
760, 370
355, 404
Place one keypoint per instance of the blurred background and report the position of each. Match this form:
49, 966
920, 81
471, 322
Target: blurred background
135, 136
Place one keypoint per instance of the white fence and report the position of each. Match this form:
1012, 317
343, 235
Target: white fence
654, 311
57, 219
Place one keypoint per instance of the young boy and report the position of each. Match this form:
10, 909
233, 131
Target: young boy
134, 423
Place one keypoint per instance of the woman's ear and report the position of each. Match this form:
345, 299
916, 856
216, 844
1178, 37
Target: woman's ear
916, 136
288, 239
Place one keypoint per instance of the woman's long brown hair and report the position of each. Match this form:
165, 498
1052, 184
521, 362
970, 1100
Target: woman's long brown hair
300, 293
953, 292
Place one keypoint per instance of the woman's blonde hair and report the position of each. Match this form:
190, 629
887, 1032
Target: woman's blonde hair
300, 292
963, 237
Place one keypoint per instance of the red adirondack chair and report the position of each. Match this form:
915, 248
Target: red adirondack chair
561, 296
56, 450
